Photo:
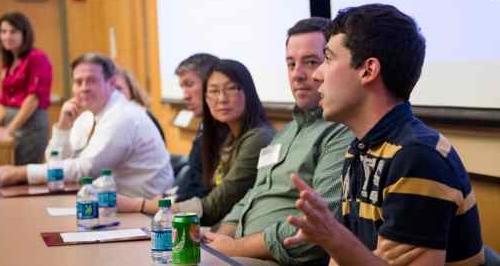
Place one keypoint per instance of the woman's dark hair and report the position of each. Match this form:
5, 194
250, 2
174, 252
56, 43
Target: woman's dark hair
20, 22
215, 132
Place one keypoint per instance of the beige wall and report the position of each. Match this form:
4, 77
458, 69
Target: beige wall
478, 147
90, 23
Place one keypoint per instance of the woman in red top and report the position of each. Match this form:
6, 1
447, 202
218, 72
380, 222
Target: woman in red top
26, 77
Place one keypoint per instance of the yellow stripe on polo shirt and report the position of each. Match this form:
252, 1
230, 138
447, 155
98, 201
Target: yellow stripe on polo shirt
425, 187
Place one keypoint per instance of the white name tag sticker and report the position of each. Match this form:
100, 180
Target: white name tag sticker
183, 118
269, 155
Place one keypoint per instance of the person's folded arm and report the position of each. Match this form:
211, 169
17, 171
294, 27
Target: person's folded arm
400, 254
252, 246
28, 107
108, 147
300, 254
60, 141
228, 229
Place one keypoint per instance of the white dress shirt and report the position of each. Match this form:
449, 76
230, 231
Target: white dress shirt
124, 140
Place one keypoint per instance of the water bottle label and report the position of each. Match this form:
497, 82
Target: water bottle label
107, 199
87, 210
161, 240
56, 174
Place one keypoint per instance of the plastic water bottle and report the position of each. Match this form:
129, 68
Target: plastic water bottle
161, 233
55, 172
106, 194
87, 208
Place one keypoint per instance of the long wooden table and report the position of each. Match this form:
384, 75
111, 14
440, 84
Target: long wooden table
22, 219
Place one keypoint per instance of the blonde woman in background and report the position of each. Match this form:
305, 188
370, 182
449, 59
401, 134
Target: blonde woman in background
128, 85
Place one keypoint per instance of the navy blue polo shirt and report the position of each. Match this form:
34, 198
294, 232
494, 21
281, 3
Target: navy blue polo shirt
405, 182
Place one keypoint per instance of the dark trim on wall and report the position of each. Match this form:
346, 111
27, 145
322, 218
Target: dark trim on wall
481, 117
457, 116
486, 178
274, 110
320, 8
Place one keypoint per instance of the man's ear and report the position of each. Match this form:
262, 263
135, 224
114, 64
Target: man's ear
370, 70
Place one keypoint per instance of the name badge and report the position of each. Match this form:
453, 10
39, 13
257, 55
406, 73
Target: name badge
269, 155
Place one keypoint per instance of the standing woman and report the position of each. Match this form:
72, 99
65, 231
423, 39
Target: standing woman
26, 78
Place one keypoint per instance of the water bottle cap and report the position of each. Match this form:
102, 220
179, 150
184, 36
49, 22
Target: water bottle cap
85, 180
164, 203
106, 171
54, 153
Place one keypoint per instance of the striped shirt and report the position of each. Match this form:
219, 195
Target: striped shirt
405, 182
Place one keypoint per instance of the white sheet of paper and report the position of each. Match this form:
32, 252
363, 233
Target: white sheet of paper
124, 233
61, 211
183, 118
80, 236
93, 236
37, 190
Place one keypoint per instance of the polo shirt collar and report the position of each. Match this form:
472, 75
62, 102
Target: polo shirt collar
390, 122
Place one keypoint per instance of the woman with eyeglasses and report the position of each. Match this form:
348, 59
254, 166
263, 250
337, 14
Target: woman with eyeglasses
25, 83
235, 129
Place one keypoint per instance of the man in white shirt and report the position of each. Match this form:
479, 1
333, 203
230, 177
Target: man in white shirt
99, 128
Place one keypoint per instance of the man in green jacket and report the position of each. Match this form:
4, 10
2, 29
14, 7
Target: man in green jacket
254, 230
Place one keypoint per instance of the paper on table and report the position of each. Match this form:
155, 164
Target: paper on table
61, 211
35, 190
125, 233
79, 236
94, 236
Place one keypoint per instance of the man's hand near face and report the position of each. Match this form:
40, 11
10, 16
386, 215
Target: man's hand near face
69, 112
